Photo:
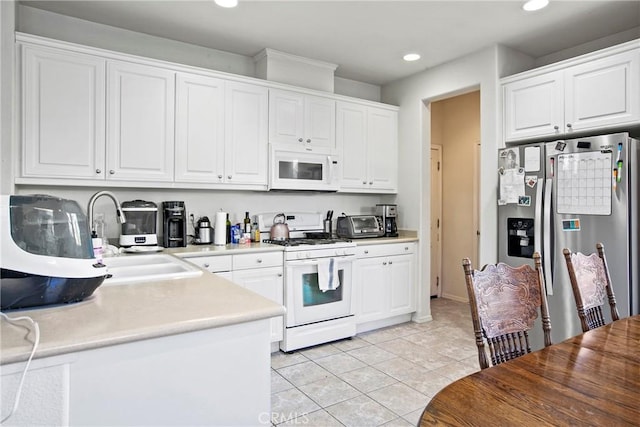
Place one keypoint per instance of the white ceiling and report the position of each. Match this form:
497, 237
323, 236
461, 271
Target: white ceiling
366, 39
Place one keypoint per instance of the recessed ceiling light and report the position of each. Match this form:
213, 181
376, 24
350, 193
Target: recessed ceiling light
411, 57
227, 3
532, 5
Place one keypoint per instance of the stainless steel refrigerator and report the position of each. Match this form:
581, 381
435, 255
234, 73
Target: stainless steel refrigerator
572, 194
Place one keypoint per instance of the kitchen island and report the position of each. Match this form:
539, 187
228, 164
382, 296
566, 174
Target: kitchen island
175, 352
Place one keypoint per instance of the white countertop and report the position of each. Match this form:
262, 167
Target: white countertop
404, 236
119, 314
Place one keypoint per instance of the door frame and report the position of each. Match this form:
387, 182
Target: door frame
436, 211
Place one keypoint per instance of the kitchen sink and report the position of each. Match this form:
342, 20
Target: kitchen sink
144, 268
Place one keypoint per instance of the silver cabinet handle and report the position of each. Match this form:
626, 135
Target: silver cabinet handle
364, 182
299, 139
384, 263
112, 172
228, 176
556, 127
370, 182
406, 248
259, 260
366, 252
569, 125
279, 274
205, 265
98, 171
308, 141
219, 176
390, 262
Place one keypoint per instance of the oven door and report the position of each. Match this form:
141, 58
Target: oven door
297, 170
306, 302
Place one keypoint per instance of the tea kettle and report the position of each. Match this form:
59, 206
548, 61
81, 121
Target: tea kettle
204, 231
279, 229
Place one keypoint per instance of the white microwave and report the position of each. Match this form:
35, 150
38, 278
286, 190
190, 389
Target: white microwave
291, 169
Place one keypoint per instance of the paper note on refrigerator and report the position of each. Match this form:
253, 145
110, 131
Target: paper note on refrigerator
584, 183
511, 185
532, 159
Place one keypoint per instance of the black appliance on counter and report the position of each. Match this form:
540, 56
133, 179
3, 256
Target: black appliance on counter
389, 215
174, 230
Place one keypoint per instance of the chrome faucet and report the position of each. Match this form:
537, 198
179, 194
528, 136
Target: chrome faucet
92, 202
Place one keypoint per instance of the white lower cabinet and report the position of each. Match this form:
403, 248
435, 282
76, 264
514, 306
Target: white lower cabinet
384, 285
261, 273
217, 264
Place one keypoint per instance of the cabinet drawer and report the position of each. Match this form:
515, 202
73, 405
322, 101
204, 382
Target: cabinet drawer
385, 249
259, 260
213, 264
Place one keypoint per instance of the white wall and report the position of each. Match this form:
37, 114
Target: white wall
480, 70
7, 27
48, 24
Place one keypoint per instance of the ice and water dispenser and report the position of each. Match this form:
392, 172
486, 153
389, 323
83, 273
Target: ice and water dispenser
520, 237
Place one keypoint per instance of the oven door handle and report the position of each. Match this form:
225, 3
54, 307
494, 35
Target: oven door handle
314, 261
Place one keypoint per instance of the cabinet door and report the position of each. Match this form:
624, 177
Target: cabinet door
351, 139
64, 114
319, 122
382, 133
246, 127
534, 107
372, 295
402, 281
200, 108
140, 117
286, 117
604, 92
267, 282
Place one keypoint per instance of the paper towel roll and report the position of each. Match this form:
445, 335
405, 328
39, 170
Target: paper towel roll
220, 229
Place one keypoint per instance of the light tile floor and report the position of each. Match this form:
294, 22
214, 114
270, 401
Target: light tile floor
383, 377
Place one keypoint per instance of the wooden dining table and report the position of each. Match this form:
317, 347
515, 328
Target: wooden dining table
590, 379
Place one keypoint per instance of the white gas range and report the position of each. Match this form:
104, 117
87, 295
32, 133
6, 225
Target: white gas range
317, 282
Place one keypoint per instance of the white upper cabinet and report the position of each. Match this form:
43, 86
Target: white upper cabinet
534, 106
200, 113
351, 136
600, 93
604, 92
140, 117
368, 139
304, 120
63, 97
221, 131
246, 127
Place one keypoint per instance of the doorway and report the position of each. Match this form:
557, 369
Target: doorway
455, 128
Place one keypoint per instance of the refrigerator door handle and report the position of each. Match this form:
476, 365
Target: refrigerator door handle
537, 218
547, 255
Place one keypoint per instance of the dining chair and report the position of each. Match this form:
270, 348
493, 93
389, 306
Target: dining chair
591, 284
504, 303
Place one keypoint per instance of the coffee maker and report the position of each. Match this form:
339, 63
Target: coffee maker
140, 228
389, 215
174, 231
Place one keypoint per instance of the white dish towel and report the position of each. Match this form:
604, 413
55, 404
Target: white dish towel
328, 279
